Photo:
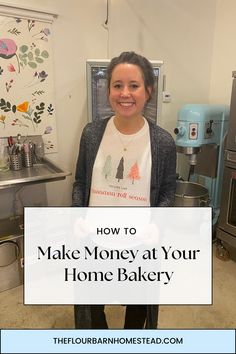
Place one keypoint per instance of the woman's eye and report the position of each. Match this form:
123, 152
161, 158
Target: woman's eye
134, 86
117, 86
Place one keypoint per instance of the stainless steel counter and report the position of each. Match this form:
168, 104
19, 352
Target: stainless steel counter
39, 173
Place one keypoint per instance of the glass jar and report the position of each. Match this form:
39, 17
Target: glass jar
4, 158
39, 151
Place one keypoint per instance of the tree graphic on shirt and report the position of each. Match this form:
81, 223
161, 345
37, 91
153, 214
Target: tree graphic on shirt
106, 171
134, 173
120, 170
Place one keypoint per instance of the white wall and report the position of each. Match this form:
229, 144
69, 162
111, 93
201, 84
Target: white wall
182, 33
224, 52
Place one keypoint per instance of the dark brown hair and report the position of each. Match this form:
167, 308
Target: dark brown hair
135, 59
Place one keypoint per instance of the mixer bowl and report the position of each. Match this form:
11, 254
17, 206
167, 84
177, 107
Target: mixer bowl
189, 194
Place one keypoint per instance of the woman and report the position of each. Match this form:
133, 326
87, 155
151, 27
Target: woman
125, 161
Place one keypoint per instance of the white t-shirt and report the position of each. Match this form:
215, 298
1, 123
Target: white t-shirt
122, 169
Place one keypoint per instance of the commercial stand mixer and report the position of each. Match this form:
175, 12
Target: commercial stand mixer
200, 134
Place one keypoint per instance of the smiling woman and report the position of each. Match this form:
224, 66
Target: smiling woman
124, 156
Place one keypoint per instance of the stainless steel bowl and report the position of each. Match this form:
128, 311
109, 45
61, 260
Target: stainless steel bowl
189, 194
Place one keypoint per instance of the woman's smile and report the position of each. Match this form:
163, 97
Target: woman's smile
126, 104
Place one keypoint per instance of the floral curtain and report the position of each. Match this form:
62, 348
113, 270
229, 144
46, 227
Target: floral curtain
26, 80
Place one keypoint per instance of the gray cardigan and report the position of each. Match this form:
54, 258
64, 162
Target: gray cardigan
163, 184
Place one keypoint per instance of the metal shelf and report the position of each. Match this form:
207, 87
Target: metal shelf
46, 171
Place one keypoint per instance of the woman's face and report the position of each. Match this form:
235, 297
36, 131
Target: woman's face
127, 94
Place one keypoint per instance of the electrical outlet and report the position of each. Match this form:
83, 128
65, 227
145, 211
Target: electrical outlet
166, 97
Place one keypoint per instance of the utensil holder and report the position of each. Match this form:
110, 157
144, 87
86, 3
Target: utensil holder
28, 159
16, 162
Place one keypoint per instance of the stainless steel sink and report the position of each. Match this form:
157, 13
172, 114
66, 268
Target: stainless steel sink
47, 171
11, 226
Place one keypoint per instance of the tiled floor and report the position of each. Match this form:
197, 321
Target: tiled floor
222, 314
